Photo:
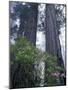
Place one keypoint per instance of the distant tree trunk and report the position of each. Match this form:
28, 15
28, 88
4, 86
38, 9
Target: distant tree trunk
52, 38
21, 29
31, 27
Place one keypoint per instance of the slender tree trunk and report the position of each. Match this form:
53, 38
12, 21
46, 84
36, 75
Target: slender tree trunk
21, 27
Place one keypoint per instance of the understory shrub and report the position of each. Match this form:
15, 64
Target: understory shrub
23, 59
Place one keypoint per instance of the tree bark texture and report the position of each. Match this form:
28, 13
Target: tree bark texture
52, 37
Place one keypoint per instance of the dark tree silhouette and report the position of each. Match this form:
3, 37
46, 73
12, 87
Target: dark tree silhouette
31, 25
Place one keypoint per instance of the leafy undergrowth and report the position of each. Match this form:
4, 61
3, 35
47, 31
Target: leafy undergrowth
23, 58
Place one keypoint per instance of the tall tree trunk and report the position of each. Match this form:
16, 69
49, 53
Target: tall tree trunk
31, 27
52, 38
28, 24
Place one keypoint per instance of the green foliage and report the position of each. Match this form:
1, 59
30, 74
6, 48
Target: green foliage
23, 51
24, 57
52, 71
